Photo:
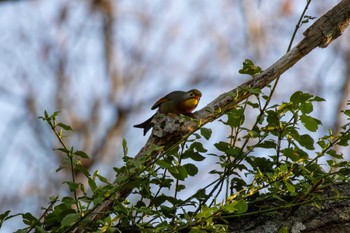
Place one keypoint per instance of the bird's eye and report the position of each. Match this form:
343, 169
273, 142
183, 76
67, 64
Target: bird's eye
191, 94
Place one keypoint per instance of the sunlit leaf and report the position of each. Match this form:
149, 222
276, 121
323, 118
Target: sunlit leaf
178, 172
70, 219
242, 206
250, 68
64, 126
306, 107
309, 122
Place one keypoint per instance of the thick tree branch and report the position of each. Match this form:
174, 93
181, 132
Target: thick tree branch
326, 29
331, 217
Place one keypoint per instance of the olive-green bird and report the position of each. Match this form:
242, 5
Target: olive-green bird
176, 102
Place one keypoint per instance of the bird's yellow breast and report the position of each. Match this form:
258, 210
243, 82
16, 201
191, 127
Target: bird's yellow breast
188, 105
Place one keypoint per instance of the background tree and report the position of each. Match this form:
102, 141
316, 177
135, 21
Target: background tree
97, 59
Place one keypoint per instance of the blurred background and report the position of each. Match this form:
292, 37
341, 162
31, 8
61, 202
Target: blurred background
103, 63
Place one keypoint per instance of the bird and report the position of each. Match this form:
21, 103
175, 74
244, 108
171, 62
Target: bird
174, 103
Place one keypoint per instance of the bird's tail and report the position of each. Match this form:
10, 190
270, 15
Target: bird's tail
145, 125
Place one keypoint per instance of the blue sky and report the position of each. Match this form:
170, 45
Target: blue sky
160, 46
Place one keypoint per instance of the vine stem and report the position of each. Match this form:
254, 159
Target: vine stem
298, 25
53, 125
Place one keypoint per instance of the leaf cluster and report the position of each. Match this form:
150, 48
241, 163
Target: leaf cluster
276, 159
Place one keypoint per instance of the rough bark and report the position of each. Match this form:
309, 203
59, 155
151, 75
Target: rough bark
320, 34
333, 216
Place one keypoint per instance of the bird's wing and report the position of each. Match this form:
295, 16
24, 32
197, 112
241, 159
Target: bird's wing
159, 102
166, 98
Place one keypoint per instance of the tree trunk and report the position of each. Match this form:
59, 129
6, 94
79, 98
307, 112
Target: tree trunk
331, 216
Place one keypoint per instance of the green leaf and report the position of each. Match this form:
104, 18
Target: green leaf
292, 133
253, 105
40, 229
269, 144
255, 91
239, 206
272, 118
29, 219
140, 204
206, 133
167, 211
102, 178
263, 164
283, 229
322, 144
198, 147
125, 147
306, 107
347, 112
51, 219
72, 185
299, 97
230, 207
191, 169
180, 187
98, 200
70, 219
159, 200
194, 229
179, 172
235, 152
250, 68
81, 154
284, 107
63, 150
334, 154
65, 127
4, 217
83, 169
318, 99
309, 122
92, 184
344, 139
222, 146
306, 141
274, 196
242, 206
291, 154
253, 134
182, 172
163, 164
235, 117
197, 157
290, 186
122, 178
67, 202
46, 116
238, 183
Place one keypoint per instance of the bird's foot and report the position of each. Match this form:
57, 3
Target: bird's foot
172, 115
